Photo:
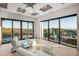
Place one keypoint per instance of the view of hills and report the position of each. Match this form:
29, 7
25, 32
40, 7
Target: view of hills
8, 31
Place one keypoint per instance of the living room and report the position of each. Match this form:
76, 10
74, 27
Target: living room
39, 29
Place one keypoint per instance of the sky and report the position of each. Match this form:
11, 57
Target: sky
65, 23
16, 24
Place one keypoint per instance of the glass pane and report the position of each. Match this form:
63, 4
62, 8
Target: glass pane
45, 30
16, 29
6, 31
30, 30
24, 30
54, 30
69, 31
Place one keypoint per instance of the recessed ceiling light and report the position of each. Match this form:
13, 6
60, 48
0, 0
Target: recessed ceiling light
34, 13
62, 3
21, 10
3, 5
46, 8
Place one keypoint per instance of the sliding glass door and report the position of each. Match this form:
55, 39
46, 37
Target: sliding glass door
45, 30
27, 29
24, 30
16, 29
6, 31
62, 30
69, 30
31, 29
54, 30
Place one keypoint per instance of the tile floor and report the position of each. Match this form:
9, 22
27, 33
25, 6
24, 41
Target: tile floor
49, 47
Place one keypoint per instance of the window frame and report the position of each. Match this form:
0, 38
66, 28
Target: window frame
59, 28
20, 25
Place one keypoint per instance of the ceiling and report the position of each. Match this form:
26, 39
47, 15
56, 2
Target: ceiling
33, 9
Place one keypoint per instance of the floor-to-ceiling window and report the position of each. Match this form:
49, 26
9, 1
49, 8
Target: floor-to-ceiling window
45, 30
27, 29
18, 28
68, 27
6, 31
24, 29
31, 29
54, 30
62, 30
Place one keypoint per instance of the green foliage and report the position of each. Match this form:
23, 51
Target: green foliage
45, 33
16, 34
64, 32
70, 33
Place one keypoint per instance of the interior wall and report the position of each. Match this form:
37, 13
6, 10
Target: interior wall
54, 14
10, 15
0, 29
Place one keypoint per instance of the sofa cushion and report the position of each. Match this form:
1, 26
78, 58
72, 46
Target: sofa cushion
23, 52
26, 43
15, 42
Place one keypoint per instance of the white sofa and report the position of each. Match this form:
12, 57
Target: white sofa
24, 52
15, 43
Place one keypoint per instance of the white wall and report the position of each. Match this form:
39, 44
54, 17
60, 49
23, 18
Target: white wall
10, 15
62, 12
